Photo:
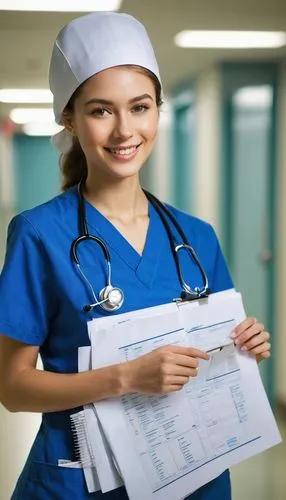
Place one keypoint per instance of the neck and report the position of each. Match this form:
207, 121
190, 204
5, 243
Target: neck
117, 198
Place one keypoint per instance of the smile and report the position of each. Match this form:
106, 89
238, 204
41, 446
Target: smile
124, 152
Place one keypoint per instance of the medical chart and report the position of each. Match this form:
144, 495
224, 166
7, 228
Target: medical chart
167, 446
102, 471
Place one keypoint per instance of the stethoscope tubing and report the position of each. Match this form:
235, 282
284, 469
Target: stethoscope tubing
106, 301
161, 210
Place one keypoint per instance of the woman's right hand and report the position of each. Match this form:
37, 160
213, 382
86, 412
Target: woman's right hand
163, 370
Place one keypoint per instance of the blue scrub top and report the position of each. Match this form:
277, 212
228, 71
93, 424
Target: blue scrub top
42, 299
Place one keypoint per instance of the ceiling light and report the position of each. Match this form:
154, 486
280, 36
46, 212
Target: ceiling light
231, 39
28, 96
41, 128
60, 6
25, 115
253, 97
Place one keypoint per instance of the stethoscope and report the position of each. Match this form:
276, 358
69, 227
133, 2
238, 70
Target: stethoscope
111, 298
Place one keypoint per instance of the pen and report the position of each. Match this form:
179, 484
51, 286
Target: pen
218, 349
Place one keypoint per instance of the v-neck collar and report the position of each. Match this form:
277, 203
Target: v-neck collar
145, 265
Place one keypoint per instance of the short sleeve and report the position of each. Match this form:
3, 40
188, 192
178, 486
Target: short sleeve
221, 278
26, 295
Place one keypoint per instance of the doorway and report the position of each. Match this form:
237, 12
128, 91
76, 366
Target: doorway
248, 180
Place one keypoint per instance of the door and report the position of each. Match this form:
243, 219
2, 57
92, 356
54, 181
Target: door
250, 199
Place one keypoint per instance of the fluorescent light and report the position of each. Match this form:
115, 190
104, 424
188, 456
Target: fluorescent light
253, 97
25, 115
41, 128
28, 96
60, 6
231, 39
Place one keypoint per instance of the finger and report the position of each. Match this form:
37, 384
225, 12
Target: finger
179, 379
257, 340
244, 325
248, 333
190, 352
182, 370
172, 388
266, 346
251, 332
185, 361
263, 355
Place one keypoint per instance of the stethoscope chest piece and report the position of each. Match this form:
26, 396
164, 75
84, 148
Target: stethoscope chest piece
111, 298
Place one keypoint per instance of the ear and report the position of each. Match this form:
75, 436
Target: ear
68, 122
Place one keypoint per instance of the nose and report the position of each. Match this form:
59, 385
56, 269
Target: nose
123, 127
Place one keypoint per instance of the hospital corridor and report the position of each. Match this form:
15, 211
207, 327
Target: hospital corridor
219, 155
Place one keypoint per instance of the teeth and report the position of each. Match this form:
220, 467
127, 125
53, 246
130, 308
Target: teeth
126, 151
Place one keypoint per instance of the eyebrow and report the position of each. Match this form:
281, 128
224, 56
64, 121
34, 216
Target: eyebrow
131, 101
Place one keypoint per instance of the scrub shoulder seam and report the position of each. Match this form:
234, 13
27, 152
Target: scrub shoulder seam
35, 230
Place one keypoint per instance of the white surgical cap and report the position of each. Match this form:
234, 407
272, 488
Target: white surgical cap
90, 44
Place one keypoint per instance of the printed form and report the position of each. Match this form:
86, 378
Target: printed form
100, 468
168, 446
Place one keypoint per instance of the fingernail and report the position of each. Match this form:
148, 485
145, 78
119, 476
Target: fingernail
232, 335
244, 348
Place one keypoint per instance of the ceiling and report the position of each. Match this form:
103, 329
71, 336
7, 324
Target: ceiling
26, 38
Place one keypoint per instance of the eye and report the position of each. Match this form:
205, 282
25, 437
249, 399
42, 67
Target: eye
100, 112
140, 108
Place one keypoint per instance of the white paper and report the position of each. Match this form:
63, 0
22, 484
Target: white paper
90, 472
102, 323
108, 476
170, 445
103, 475
107, 469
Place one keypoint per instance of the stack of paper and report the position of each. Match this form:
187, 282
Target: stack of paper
167, 446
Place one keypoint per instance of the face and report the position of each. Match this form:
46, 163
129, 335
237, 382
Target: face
115, 119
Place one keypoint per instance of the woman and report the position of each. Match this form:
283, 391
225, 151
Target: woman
107, 93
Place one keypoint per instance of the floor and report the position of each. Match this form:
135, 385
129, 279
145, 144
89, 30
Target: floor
264, 476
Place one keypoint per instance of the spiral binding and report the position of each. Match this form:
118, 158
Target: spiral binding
82, 451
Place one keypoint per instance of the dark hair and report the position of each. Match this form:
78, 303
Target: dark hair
73, 164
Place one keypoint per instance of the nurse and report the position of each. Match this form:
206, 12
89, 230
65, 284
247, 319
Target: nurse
107, 94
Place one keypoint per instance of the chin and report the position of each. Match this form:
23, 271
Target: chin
117, 169
124, 173
125, 170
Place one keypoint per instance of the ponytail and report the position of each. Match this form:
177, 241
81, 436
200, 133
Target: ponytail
73, 166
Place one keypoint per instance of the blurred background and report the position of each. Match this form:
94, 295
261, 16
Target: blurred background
220, 154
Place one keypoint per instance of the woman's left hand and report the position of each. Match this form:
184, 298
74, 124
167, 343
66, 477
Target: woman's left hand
250, 336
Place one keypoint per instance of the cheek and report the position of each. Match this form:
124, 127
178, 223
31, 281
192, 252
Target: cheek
91, 133
149, 127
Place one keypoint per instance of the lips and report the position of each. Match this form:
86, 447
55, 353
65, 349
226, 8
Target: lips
123, 150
